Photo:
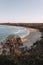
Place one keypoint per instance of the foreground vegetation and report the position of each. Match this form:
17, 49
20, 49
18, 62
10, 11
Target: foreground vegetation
22, 60
35, 56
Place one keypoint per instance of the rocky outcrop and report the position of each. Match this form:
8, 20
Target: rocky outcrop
14, 40
11, 45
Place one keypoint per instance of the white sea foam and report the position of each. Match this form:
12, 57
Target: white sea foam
7, 30
22, 32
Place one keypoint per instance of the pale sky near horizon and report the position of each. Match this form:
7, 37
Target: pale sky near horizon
30, 11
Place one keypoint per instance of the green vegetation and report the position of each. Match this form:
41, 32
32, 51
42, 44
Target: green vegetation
22, 60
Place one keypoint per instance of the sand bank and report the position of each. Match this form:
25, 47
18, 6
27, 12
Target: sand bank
32, 37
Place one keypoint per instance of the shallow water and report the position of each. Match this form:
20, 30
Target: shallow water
7, 30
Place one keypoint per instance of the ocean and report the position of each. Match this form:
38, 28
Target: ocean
7, 30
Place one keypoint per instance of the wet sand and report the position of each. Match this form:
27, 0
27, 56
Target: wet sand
32, 37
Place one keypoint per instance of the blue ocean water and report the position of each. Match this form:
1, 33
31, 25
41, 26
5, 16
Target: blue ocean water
7, 30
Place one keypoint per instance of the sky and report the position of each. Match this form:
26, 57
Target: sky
20, 11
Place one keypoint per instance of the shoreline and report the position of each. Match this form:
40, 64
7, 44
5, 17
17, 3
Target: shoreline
32, 37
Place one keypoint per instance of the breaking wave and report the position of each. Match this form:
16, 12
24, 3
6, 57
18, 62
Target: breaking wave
7, 30
22, 32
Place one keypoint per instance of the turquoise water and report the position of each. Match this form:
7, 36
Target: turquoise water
7, 30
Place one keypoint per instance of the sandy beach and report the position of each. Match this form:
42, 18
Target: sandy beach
32, 37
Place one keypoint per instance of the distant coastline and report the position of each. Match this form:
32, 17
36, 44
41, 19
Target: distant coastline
30, 25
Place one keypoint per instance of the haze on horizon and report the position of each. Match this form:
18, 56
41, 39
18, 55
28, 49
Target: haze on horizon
28, 11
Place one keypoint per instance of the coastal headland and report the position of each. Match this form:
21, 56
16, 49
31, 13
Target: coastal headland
30, 25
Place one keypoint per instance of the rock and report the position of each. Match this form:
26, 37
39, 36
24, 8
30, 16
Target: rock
11, 45
14, 39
